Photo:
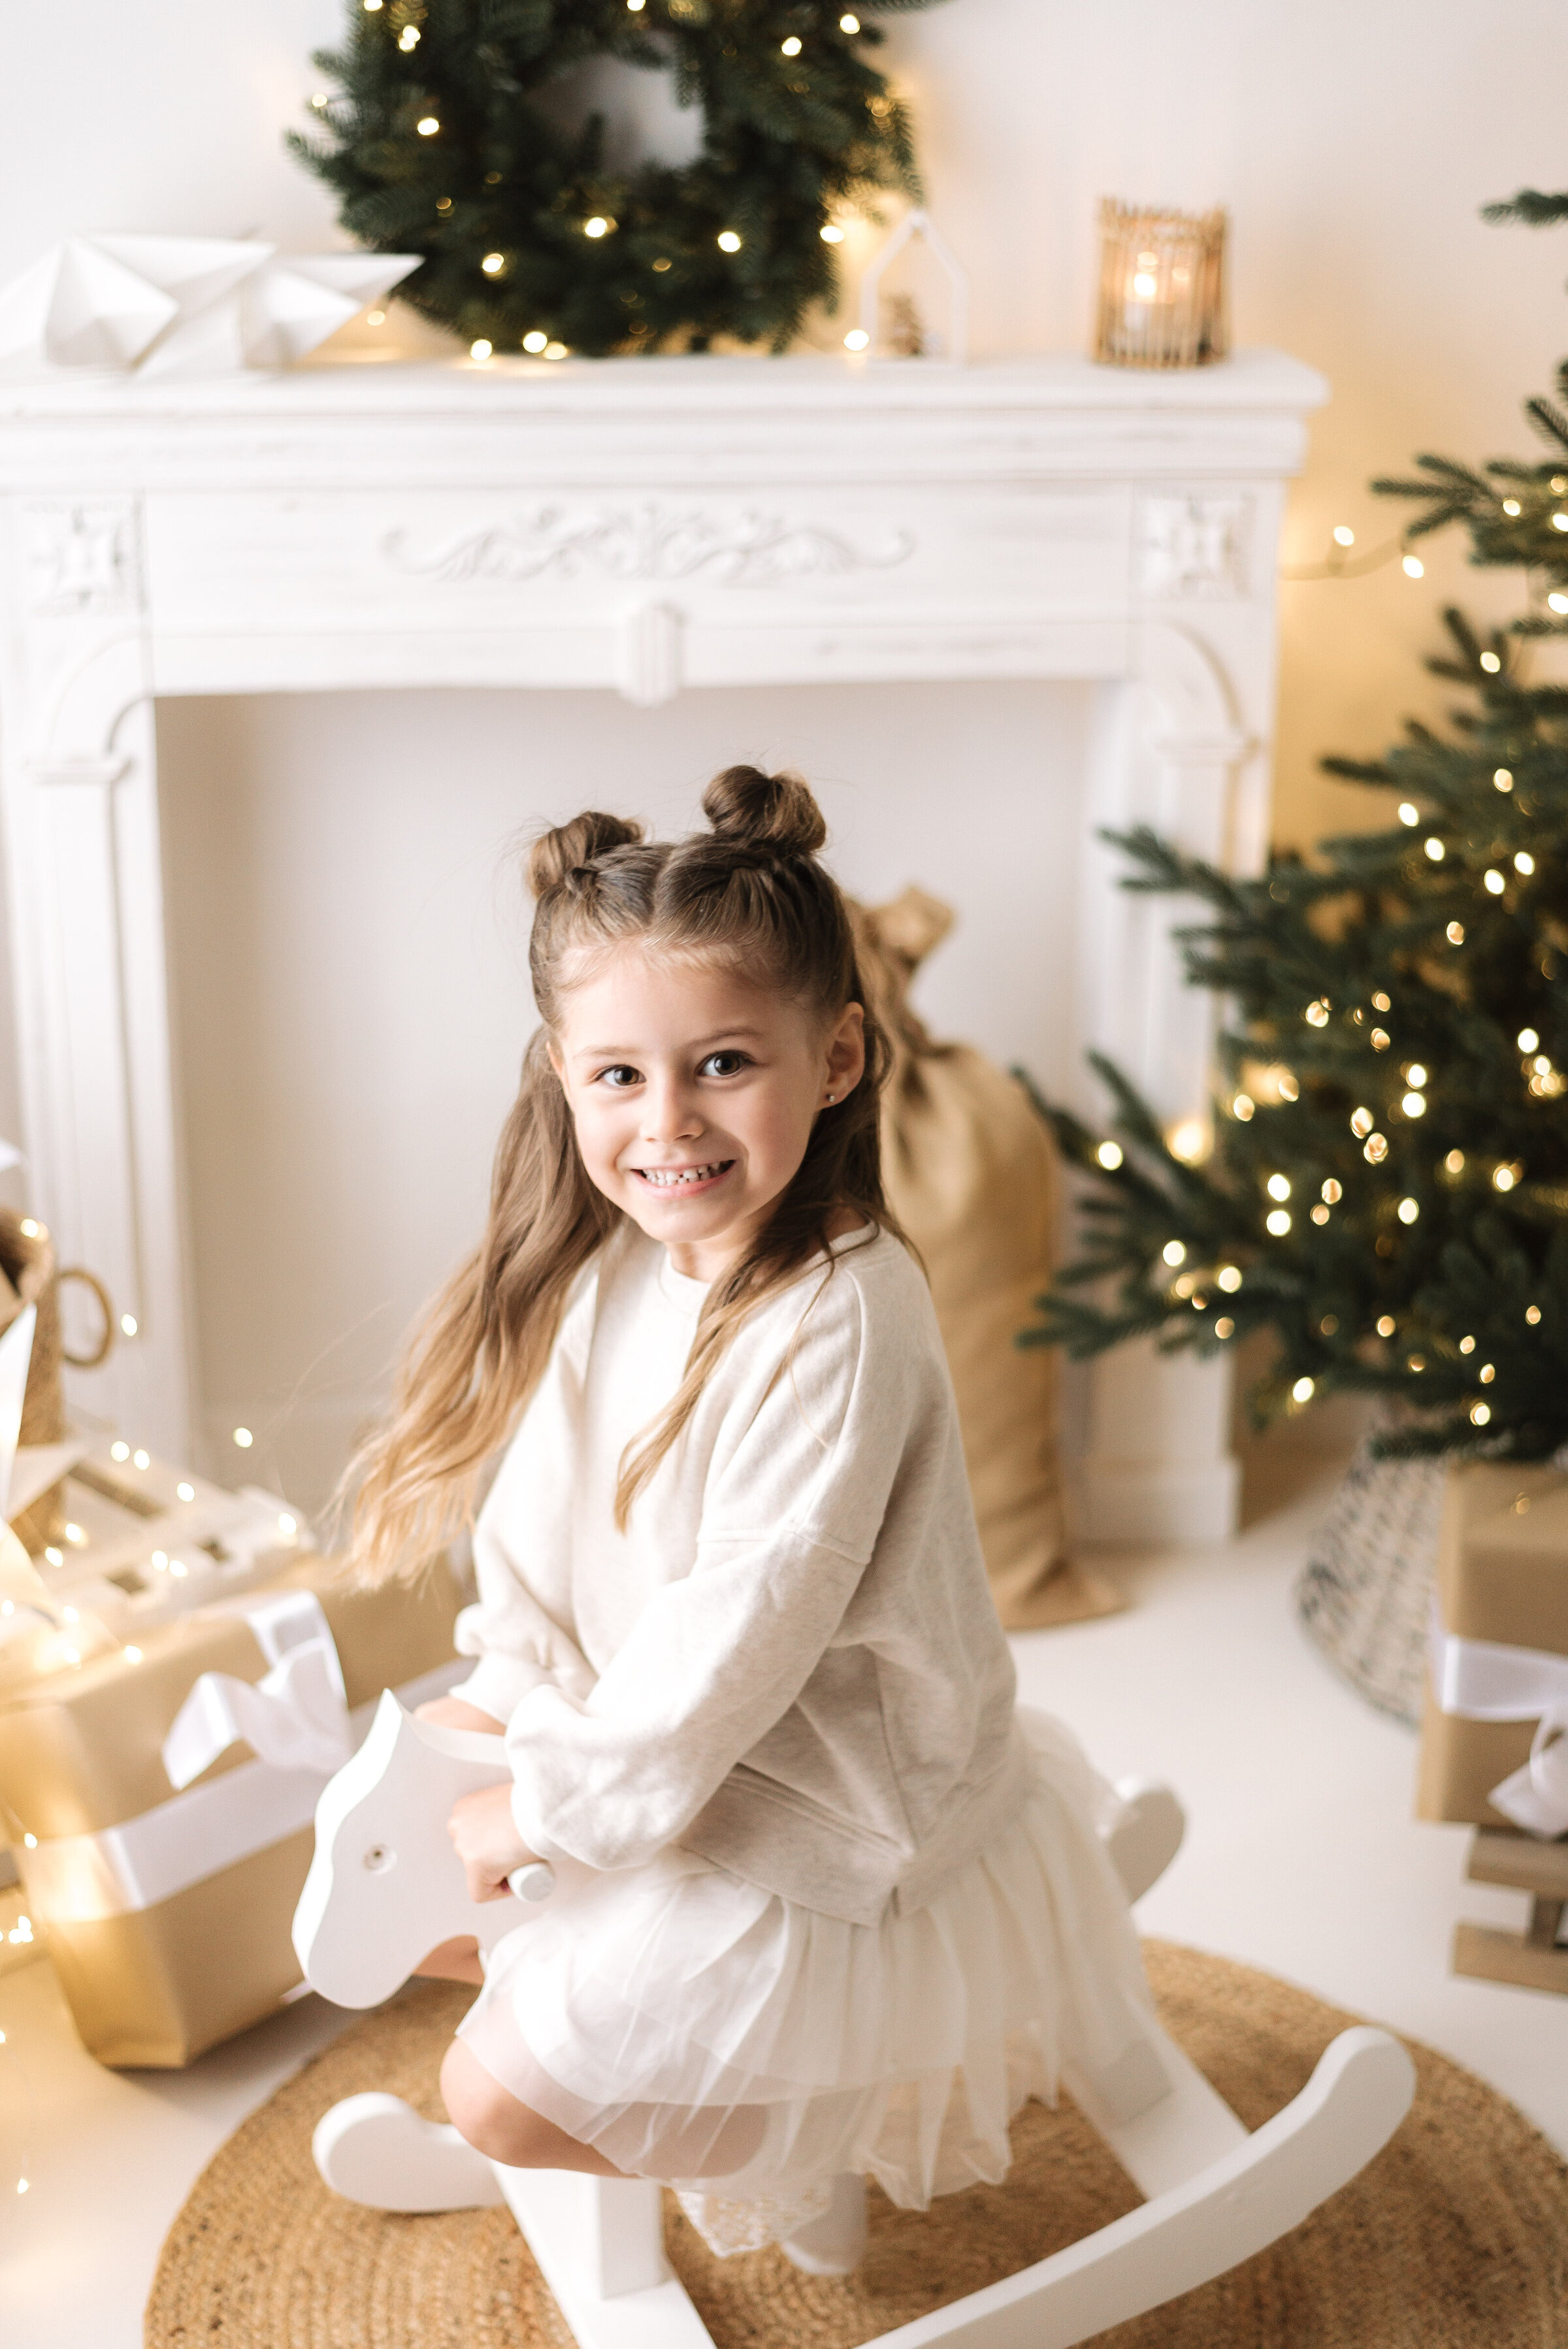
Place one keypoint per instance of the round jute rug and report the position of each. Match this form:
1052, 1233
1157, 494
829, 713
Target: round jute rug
1455, 2238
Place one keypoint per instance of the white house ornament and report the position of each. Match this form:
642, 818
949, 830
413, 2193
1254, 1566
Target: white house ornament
914, 297
183, 305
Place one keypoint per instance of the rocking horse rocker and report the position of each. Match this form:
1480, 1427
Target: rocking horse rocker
386, 1886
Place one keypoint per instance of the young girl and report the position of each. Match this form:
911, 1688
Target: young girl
826, 1906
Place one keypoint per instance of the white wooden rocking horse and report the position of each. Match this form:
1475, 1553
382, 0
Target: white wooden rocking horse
386, 1886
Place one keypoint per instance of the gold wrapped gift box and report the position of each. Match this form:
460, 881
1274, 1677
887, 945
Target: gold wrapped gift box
155, 1980
1502, 1577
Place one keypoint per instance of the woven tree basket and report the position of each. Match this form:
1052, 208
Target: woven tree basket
29, 1275
1366, 1593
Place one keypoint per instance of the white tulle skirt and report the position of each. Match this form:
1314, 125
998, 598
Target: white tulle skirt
696, 2029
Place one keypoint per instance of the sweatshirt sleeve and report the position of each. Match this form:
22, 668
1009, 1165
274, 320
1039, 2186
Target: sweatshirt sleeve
796, 1489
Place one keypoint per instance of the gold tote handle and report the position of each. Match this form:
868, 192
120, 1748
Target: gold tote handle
90, 1361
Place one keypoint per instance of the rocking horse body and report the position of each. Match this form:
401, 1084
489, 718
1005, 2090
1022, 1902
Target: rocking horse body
386, 1886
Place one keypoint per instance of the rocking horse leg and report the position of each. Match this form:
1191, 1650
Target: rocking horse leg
600, 2246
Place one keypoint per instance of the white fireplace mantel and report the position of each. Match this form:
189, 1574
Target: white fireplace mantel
650, 525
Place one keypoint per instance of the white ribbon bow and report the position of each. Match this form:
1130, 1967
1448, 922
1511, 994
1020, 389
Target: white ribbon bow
296, 1718
1479, 1679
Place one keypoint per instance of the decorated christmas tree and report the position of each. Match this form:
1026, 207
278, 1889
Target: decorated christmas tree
448, 131
1387, 1188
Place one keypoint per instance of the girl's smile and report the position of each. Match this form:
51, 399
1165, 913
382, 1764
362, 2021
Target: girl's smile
685, 1179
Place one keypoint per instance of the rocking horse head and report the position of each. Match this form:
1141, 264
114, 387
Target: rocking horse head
385, 1886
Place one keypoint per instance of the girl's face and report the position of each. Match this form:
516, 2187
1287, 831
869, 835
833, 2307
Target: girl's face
693, 1096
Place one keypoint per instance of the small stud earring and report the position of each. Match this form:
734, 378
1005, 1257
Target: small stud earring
832, 1097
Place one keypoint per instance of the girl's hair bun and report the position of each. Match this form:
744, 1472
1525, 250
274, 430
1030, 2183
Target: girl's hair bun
555, 855
776, 812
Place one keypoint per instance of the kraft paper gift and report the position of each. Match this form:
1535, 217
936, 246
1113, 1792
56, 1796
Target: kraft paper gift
1491, 1752
167, 1857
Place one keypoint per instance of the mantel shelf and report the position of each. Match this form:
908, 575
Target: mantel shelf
1062, 382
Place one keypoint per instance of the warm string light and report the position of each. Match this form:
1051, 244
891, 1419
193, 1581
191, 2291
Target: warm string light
1189, 1140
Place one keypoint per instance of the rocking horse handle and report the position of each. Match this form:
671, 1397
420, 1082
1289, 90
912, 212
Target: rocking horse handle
534, 1883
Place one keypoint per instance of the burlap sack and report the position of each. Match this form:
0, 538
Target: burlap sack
970, 1172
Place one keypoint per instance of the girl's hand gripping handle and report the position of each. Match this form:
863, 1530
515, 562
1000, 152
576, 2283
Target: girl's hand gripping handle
529, 1879
495, 1859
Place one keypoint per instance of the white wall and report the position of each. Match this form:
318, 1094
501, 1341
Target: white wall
337, 1161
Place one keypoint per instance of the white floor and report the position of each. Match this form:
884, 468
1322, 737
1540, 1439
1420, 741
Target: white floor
1301, 1858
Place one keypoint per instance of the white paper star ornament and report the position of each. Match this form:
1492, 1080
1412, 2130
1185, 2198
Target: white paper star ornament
79, 308
298, 300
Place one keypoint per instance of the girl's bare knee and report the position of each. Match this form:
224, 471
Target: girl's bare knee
502, 2127
493, 2122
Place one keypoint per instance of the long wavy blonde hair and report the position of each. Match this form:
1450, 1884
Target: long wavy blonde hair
751, 894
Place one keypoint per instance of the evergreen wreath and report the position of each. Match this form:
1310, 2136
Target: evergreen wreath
436, 142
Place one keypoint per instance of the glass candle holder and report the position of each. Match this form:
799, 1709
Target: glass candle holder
1161, 288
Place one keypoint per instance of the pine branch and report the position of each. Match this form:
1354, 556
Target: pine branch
1530, 206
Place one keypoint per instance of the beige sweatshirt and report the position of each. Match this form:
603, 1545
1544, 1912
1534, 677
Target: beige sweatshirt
789, 1662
